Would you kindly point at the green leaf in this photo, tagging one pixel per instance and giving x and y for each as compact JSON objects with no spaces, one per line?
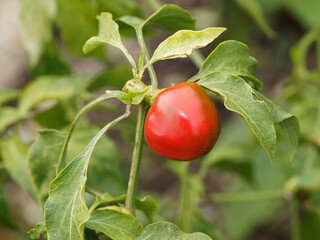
{"x":182,"y":43}
{"x":114,"y":77}
{"x":49,"y":88}
{"x":255,"y":10}
{"x":38,"y":231}
{"x":65,"y":209}
{"x":172,"y":18}
{"x":148,"y":205}
{"x":230,"y":57}
{"x":7,"y":95}
{"x":9,"y":116}
{"x":76,"y":21}
{"x":287,"y":122}
{"x":108,"y":34}
{"x":5,"y":219}
{"x":168,"y":231}
{"x":104,"y":162}
{"x":238,"y":97}
{"x":36,"y":21}
{"x":115,"y":224}
{"x":43,"y":157}
{"x":14,"y":157}
{"x":120,"y":95}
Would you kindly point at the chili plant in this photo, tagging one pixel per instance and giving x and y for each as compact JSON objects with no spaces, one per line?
{"x":60,"y":187}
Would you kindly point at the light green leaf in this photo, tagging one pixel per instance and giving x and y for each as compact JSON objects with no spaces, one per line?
{"x":287,"y":122}
{"x":43,"y":157}
{"x":115,"y":224}
{"x":36,"y":21}
{"x":108,"y":34}
{"x":14,"y":157}
{"x":172,"y":18}
{"x":49,"y":88}
{"x":254,"y":9}
{"x":238,"y":97}
{"x":230,"y":57}
{"x":65,"y":209}
{"x":9,"y":116}
{"x":168,"y":231}
{"x":8,"y":94}
{"x":182,"y":43}
{"x":38,"y":231}
{"x":120,"y":95}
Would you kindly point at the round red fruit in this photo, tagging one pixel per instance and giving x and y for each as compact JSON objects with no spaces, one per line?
{"x":182,"y":123}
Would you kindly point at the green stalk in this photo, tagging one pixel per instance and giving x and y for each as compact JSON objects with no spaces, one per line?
{"x":247,"y":197}
{"x":61,"y":161}
{"x":295,"y":223}
{"x":152,"y":73}
{"x":130,"y":202}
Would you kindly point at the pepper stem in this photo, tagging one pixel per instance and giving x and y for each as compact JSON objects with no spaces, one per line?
{"x":130,"y":202}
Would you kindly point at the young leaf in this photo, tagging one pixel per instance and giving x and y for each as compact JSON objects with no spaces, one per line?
{"x":114,"y":224}
{"x":38,"y":231}
{"x":14,"y":157}
{"x":230,"y":57}
{"x":238,"y":97}
{"x":47,"y":88}
{"x":172,"y":18}
{"x":287,"y":122}
{"x":43,"y":157}
{"x":108,"y":34}
{"x":65,"y":209}
{"x":182,"y":43}
{"x":169,"y":231}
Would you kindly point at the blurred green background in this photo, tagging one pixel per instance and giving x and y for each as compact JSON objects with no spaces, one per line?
{"x":234,"y":192}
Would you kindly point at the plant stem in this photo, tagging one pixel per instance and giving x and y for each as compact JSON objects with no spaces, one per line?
{"x":136,"y":160}
{"x":61,"y":162}
{"x":295,"y":223}
{"x":152,"y":73}
{"x":247,"y":197}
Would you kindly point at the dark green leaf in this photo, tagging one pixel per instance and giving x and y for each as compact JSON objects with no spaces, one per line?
{"x":168,"y":231}
{"x":5,"y":219}
{"x":104,"y":172}
{"x":287,"y":122}
{"x":238,"y":97}
{"x":43,"y":158}
{"x":115,"y":224}
{"x":76,"y":20}
{"x":65,"y":209}
{"x":114,"y":77}
{"x":171,"y":18}
{"x":255,"y":10}
{"x":230,"y":57}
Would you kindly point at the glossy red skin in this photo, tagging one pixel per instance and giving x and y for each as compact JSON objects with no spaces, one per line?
{"x":182,"y":123}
